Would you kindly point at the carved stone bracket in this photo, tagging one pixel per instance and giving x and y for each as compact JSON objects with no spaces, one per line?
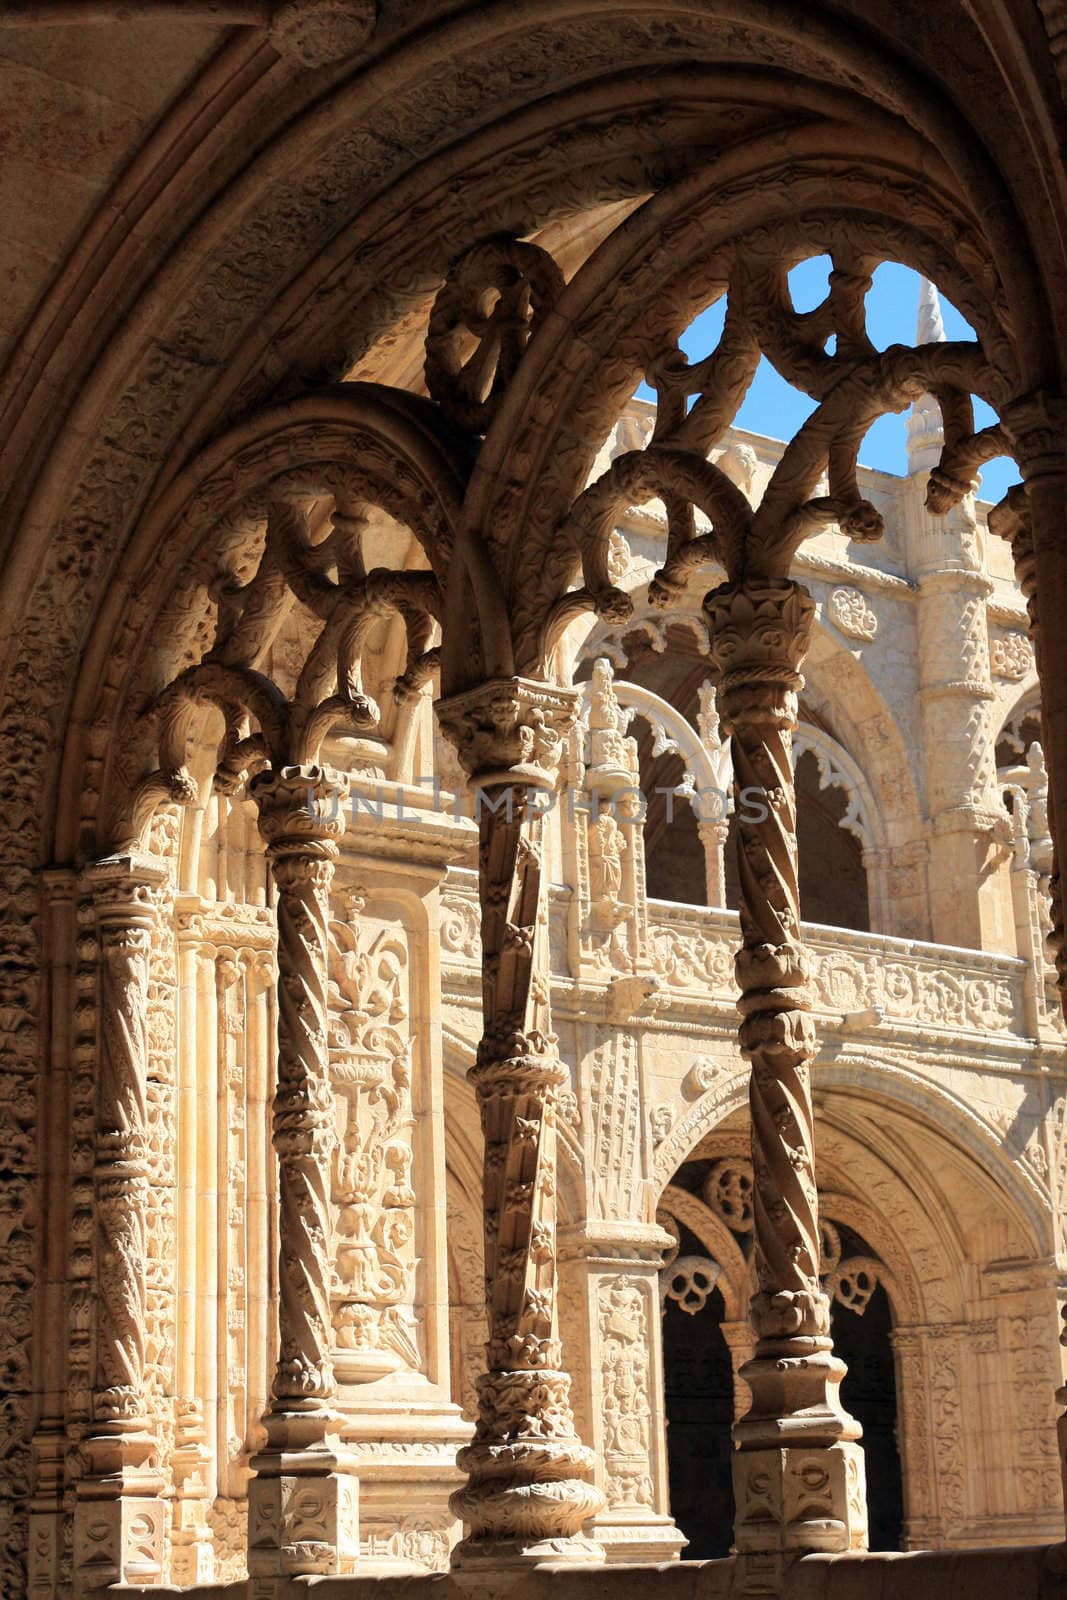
{"x":119,"y":1522}
{"x":527,"y":1494}
{"x":797,"y":1464}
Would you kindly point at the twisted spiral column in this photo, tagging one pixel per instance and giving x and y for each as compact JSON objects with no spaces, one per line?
{"x":119,"y":1518}
{"x":798,"y":1472}
{"x":527,"y":1494}
{"x":302,"y":1512}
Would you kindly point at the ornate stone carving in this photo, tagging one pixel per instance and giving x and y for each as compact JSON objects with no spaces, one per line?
{"x":315,"y":32}
{"x":527,"y":1495}
{"x":615,"y":1095}
{"x":370,"y":1071}
{"x":483,"y":318}
{"x":305,"y":1522}
{"x":851,"y":613}
{"x":728,"y":1192}
{"x":688,"y":1280}
{"x":119,"y":1528}
{"x":759,"y":633}
{"x":624,"y":1395}
{"x":297,"y":820}
{"x":1011,"y":656}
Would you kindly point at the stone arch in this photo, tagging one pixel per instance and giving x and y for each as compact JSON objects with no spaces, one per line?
{"x":892,"y":1192}
{"x":673,"y":731}
{"x":838,"y":770}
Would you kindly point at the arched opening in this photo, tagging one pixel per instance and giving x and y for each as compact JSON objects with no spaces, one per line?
{"x":674,"y":855}
{"x":863,"y":1337}
{"x":699,"y":1398}
{"x":704,"y":1290}
{"x":833,"y":878}
{"x":698,"y":1386}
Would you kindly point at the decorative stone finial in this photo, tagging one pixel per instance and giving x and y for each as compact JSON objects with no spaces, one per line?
{"x":926,"y":436}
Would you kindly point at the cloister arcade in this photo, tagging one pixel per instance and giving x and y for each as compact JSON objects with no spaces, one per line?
{"x":430,"y":721}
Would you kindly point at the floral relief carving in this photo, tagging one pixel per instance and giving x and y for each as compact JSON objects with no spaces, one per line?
{"x":615,"y":1094}
{"x":374,"y":1249}
{"x":851,"y":975}
{"x":850,"y":611}
{"x":1011,"y":656}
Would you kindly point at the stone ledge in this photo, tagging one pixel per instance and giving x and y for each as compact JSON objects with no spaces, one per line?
{"x":1034,"y":1572}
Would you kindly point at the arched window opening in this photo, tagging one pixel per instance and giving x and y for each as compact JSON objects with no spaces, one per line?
{"x":706,"y":1342}
{"x":833,"y":831}
{"x":861,"y":1323}
{"x":699,"y":1400}
{"x":674,"y":855}
{"x":833,"y":879}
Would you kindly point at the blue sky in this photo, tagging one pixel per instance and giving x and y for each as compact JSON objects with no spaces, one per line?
{"x":773,"y":407}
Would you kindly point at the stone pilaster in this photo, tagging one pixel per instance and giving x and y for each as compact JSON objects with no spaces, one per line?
{"x":1033,"y":520}
{"x":119,"y":1517}
{"x":192,"y":1558}
{"x":303,"y":1509}
{"x":612,"y":1271}
{"x":50,"y":1441}
{"x":713,"y":828}
{"x":527,"y":1496}
{"x":798,"y":1471}
{"x":970,"y":897}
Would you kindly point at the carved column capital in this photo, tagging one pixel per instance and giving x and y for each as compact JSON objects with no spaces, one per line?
{"x":510,"y":730}
{"x":301,"y":810}
{"x":125,"y":890}
{"x":1037,"y":423}
{"x":760,"y":634}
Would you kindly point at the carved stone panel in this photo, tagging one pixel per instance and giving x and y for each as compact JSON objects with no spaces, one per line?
{"x":374,"y":1248}
{"x":627,"y":1413}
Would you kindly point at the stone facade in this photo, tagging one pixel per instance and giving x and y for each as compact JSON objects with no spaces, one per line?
{"x":497,"y":871}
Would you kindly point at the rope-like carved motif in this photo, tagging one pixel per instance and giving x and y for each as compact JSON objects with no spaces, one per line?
{"x":301,"y":837}
{"x":759,"y":636}
{"x":123,"y":892}
{"x":526,"y":1464}
{"x":122,"y":1176}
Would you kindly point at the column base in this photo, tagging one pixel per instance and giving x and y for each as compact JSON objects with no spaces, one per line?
{"x":794,"y":1498}
{"x":404,"y":1443}
{"x":119,"y":1517}
{"x":303,"y":1513}
{"x":629,"y":1539}
{"x":526,"y":1506}
{"x":512,"y":1555}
